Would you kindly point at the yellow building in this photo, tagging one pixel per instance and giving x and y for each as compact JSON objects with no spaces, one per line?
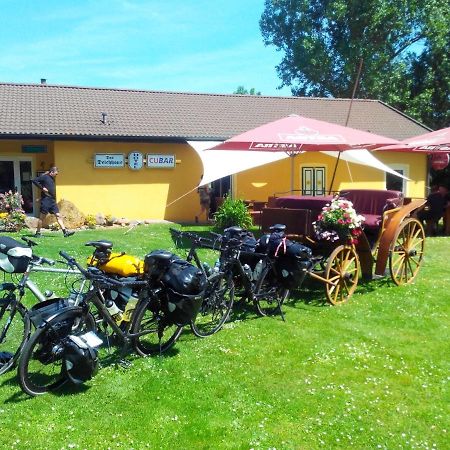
{"x":125,"y":153}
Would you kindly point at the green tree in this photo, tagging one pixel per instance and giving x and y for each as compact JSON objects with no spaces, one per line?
{"x":242,"y":91}
{"x":404,"y":46}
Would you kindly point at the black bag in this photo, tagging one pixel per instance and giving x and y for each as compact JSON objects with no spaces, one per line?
{"x":80,"y":359}
{"x":42,"y":311}
{"x":291,"y":271}
{"x":186,"y":284}
{"x":158,"y":261}
{"x":14,"y":256}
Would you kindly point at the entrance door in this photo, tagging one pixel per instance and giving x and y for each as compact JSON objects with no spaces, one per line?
{"x":15,"y":175}
{"x":313,"y":180}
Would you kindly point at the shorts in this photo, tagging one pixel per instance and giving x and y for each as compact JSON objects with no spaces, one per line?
{"x":48,"y":205}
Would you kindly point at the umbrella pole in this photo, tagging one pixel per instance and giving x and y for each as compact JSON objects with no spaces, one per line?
{"x":292,"y":172}
{"x":348,"y":117}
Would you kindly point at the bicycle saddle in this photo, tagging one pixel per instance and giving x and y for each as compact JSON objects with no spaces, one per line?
{"x":100,"y":245}
{"x":277,"y":227}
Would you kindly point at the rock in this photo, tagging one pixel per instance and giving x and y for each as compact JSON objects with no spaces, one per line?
{"x":122,"y":221}
{"x":31,"y":222}
{"x":71,"y":215}
{"x":100,"y":219}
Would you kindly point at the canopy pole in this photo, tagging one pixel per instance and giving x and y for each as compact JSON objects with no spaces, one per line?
{"x":348,"y":118}
{"x":292,"y":171}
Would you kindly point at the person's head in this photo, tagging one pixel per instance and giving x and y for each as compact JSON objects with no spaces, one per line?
{"x":53,"y":171}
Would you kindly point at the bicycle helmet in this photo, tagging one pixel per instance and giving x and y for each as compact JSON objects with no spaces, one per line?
{"x":80,"y":360}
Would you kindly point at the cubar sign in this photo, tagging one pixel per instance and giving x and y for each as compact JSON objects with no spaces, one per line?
{"x":155,"y":161}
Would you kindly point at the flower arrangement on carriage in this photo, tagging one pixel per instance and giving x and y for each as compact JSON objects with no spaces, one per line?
{"x":339,"y":221}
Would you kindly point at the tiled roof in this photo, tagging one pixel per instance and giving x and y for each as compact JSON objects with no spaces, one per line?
{"x":53,"y":111}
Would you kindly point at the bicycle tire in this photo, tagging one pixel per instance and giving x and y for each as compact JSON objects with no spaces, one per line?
{"x":149,"y":324}
{"x":269,"y":294}
{"x":14,"y":331}
{"x":41,"y":366}
{"x":216,"y":306}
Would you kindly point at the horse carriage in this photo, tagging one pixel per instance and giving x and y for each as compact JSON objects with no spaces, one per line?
{"x":392,"y":240}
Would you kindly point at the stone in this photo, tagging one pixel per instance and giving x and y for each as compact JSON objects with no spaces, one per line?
{"x":71,"y":215}
{"x":100,"y":219}
{"x":31,"y":222}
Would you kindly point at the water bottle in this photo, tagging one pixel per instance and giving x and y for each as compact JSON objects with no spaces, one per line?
{"x":115,"y":312}
{"x":207,"y":269}
{"x":216,"y":266}
{"x":131,"y":306}
{"x":258,"y":270}
{"x":247,"y":271}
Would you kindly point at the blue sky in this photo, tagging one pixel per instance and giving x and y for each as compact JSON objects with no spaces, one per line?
{"x":171,"y":45}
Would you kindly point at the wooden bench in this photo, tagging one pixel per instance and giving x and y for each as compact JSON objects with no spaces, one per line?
{"x":298,"y":221}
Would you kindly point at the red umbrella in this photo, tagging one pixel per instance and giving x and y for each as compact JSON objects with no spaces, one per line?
{"x":436,"y":141}
{"x":295,"y":134}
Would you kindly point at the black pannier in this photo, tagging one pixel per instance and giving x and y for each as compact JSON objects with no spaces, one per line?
{"x":248,"y":244}
{"x":292,"y":271}
{"x":186,"y":284}
{"x":14,"y":256}
{"x":43,"y":311}
{"x":157,"y":262}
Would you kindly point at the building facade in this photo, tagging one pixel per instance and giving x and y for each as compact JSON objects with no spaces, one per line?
{"x":126,"y":153}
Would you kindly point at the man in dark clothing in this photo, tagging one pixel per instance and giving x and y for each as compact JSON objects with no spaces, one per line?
{"x":433,"y":210}
{"x":46,"y":183}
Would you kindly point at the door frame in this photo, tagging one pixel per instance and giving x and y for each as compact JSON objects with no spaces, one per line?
{"x":16,"y":167}
{"x":313,"y":167}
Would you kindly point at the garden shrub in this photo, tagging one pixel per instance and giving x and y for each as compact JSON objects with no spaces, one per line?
{"x":233,"y":213}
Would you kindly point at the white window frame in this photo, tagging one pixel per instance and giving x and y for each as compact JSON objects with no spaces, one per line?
{"x":405,"y":172}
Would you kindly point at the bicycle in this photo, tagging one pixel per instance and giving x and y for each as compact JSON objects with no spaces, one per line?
{"x":15,"y":323}
{"x":148,"y":325}
{"x":260,"y":285}
{"x":218,"y":299}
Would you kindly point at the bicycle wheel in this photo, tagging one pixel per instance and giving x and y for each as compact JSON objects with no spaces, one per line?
{"x":155,"y":334}
{"x":14,"y":330}
{"x":216,"y":306}
{"x":41,"y":367}
{"x":269,"y":294}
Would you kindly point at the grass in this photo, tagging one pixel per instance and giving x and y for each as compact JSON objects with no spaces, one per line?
{"x":372,"y":373}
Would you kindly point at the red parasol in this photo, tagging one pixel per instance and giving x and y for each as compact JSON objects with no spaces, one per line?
{"x":294,"y":134}
{"x":434,"y":142}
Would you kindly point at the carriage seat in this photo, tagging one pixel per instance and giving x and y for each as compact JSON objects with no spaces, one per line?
{"x":372,"y":203}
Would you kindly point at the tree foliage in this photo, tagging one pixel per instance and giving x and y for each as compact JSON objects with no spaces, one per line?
{"x":242,"y":91}
{"x":404,"y":46}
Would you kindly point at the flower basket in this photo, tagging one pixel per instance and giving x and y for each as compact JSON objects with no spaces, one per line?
{"x":338,"y":223}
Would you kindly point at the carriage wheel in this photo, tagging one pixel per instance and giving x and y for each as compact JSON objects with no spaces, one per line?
{"x":406,"y":252}
{"x":342,"y":273}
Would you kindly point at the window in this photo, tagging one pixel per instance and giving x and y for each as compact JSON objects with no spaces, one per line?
{"x":395,"y":183}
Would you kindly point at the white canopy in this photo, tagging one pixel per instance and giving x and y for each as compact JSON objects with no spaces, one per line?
{"x":221,"y":163}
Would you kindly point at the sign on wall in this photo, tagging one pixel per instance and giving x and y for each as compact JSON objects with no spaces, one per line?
{"x":135,"y":160}
{"x":109,"y":160}
{"x":156,"y":161}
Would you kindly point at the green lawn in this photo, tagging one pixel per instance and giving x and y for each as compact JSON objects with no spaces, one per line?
{"x":372,"y":373}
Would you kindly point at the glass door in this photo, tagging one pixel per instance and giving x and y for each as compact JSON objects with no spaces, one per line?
{"x":313,"y":181}
{"x":15,"y":175}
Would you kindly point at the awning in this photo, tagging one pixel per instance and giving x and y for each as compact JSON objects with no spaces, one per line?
{"x":220,"y":163}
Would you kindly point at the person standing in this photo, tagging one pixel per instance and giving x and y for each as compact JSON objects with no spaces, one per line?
{"x":204,"y":193}
{"x":46,"y":183}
